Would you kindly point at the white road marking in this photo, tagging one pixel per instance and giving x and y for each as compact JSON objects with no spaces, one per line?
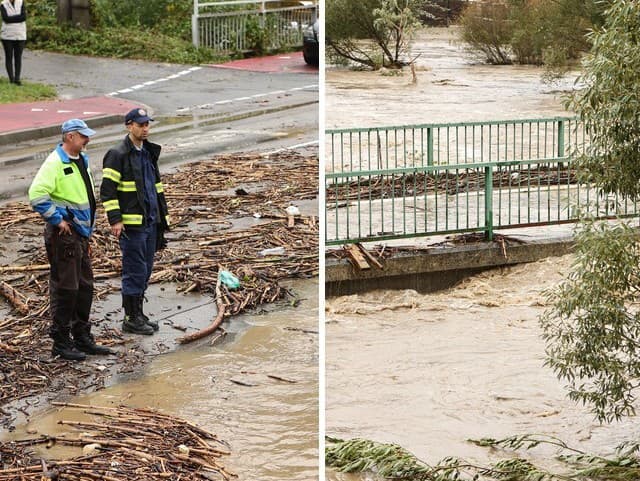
{"x":292,"y":147}
{"x":152,"y":82}
{"x":210,"y":105}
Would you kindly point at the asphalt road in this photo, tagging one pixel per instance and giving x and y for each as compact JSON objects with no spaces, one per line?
{"x":199,"y":111}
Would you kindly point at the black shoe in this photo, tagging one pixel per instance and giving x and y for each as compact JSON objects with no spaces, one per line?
{"x":17,"y":82}
{"x":154,"y":325}
{"x":135,"y":327}
{"x":133,"y":322}
{"x":67,"y":351}
{"x":88,"y":345}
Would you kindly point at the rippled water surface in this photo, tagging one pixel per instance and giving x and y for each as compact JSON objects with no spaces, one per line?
{"x":451,"y":87}
{"x":429,"y":371}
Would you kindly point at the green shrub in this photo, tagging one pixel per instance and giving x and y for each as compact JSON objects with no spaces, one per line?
{"x":531,"y":31}
{"x":156,"y":30}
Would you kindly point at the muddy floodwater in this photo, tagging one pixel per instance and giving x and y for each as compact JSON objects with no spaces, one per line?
{"x":257,"y":390}
{"x":429,"y":371}
{"x":451,"y":86}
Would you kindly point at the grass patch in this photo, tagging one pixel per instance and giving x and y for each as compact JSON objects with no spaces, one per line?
{"x":27,"y":92}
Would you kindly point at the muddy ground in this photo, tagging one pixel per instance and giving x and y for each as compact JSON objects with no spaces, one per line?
{"x":226,"y":211}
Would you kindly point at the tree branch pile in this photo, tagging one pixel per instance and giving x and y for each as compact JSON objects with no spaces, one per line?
{"x":226,"y":211}
{"x":120,"y":444}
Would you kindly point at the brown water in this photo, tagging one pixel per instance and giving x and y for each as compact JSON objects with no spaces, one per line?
{"x":272,"y":426}
{"x":451,"y":87}
{"x":429,"y":371}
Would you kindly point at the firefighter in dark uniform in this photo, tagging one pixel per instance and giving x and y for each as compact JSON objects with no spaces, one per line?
{"x":62,"y":192}
{"x":133,"y":198}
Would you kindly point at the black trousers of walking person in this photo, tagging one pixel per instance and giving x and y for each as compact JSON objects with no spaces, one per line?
{"x":13,"y":57}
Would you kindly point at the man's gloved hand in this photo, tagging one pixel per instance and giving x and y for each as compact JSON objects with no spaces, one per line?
{"x":161,"y":241}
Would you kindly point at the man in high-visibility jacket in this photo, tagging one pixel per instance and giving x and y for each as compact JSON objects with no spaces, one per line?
{"x":133,"y":198}
{"x":62,"y":192}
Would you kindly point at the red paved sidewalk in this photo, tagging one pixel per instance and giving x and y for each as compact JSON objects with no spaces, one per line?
{"x":287,"y":62}
{"x":36,"y":115}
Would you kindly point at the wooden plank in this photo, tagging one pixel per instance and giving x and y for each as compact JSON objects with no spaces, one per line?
{"x":356,"y":257}
{"x":370,"y":257}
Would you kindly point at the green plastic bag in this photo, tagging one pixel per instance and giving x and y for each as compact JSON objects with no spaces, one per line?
{"x":229,"y":280}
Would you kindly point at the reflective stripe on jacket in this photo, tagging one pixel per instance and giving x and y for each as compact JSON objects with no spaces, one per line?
{"x":59,"y":192}
{"x":122,"y":189}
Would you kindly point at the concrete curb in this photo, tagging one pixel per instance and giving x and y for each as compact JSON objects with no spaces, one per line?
{"x":439,"y":268}
{"x":18,"y":136}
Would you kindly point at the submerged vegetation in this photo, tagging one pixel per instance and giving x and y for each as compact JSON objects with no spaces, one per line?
{"x":390,"y":461}
{"x":531,"y":31}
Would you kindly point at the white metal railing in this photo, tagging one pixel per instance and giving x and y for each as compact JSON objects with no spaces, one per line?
{"x":244,"y":25}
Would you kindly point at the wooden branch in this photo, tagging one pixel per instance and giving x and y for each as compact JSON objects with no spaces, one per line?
{"x":14,"y":298}
{"x":34,"y":267}
{"x":216,"y":322}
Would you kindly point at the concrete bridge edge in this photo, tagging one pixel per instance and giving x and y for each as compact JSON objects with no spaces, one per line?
{"x":432,"y":269}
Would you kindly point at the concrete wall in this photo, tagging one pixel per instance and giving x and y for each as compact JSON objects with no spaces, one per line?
{"x":429,"y":270}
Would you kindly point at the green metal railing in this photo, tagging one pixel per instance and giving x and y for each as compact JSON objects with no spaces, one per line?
{"x":411,"y":181}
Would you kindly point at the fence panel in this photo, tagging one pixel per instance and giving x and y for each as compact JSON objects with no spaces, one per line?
{"x":228,"y":26}
{"x":444,"y":144}
{"x":378,"y":189}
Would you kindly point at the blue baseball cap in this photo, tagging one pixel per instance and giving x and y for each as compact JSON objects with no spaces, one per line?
{"x":77,"y":125}
{"x":139,"y":116}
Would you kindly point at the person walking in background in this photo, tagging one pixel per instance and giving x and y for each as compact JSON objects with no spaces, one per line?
{"x":136,"y":208}
{"x":62,"y":192}
{"x":13,"y":34}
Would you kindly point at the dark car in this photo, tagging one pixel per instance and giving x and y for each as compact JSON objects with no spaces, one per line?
{"x":310,"y":44}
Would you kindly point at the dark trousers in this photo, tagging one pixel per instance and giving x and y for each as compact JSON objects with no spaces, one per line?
{"x":138,"y":248}
{"x":70,"y":283}
{"x":13,"y":55}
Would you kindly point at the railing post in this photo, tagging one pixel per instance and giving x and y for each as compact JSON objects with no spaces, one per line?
{"x":488,"y":203}
{"x":429,"y":145}
{"x":560,"y":138}
{"x":195,"y":37}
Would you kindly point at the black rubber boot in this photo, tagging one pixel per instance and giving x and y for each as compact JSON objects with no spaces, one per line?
{"x":154,"y":325}
{"x":63,"y":306}
{"x":66,"y":350}
{"x":133,"y":322}
{"x":85,"y":342}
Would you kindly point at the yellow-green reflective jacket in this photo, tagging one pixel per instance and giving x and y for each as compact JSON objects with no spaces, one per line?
{"x":58,"y":192}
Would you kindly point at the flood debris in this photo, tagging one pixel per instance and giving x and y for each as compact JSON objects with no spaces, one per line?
{"x":378,"y":253}
{"x":120,"y":444}
{"x":211,"y":226}
{"x":469,"y":179}
{"x":360,"y":257}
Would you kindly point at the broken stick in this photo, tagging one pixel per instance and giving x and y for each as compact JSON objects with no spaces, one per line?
{"x":14,"y":298}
